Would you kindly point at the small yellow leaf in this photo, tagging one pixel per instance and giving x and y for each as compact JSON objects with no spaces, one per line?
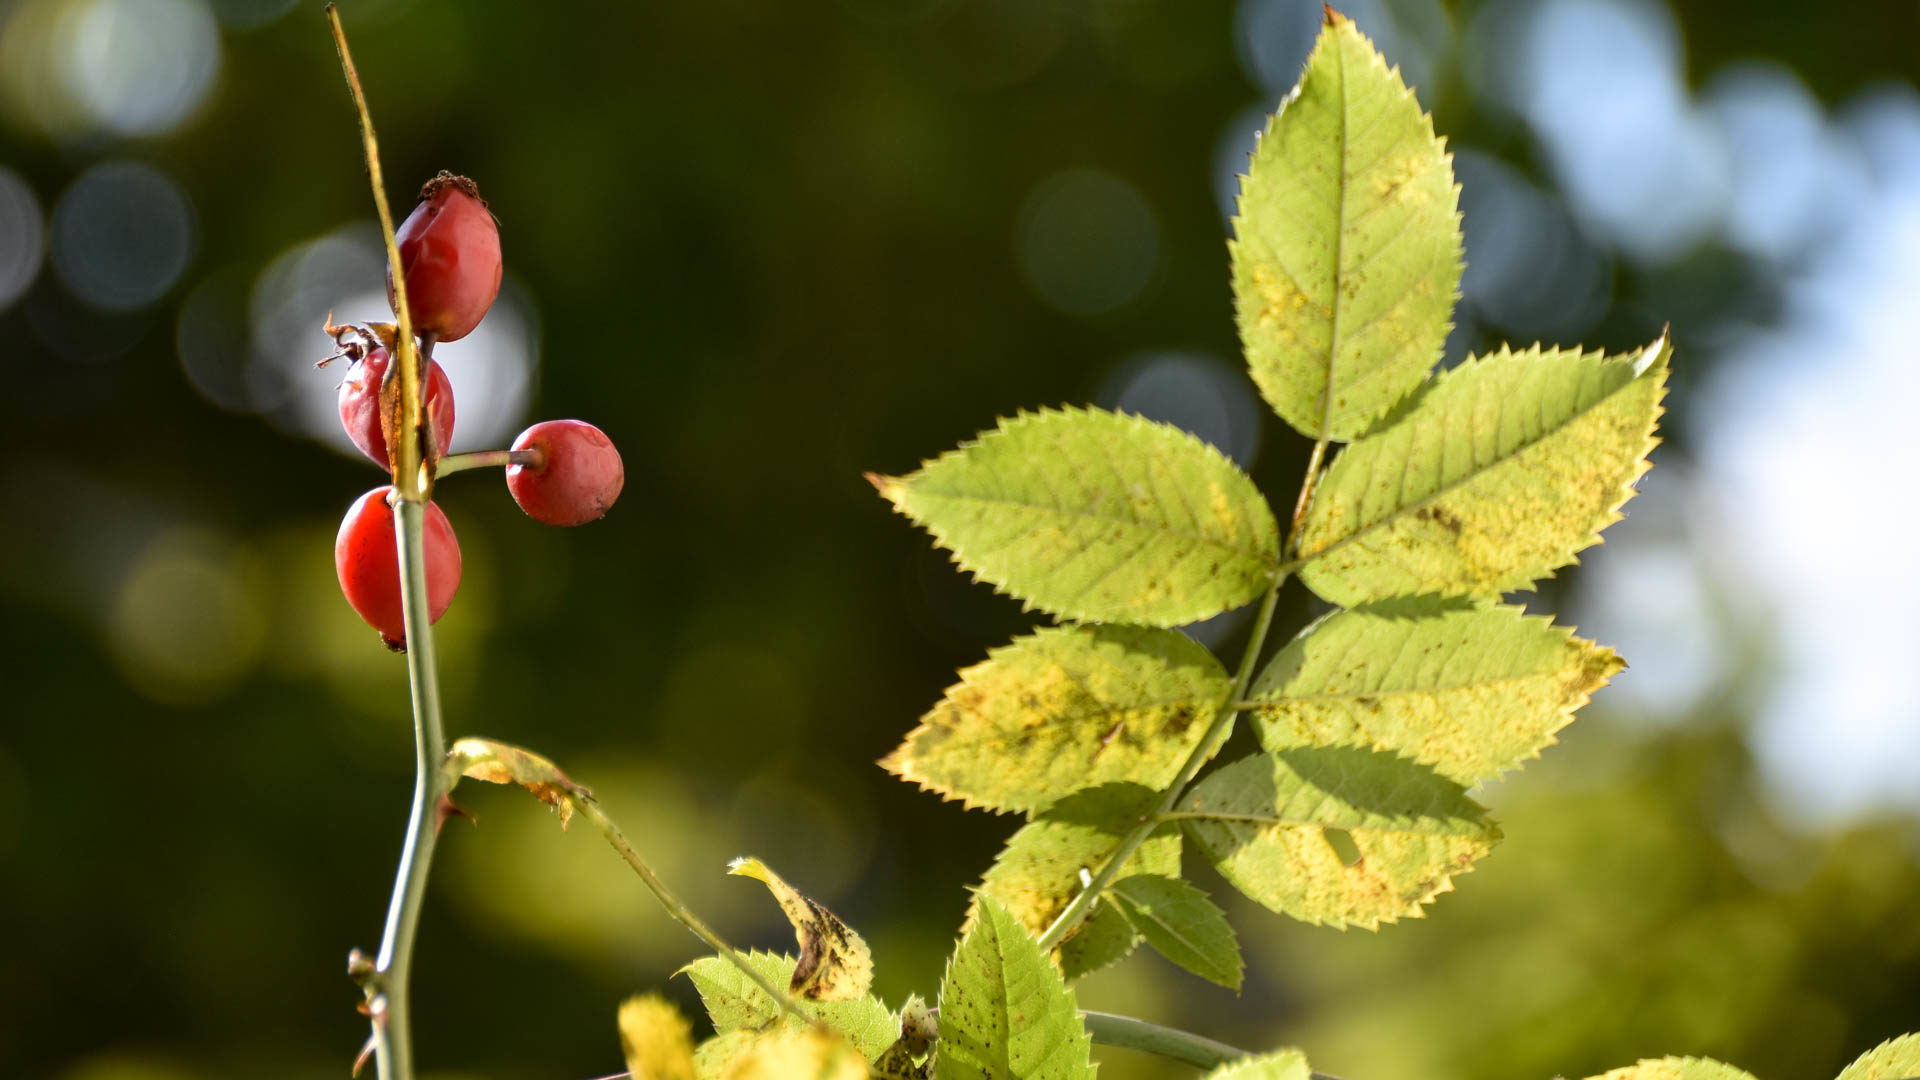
{"x":1676,"y":1068}
{"x":835,"y":964}
{"x":656,"y":1040}
{"x":805,"y":1054}
{"x":499,"y":763}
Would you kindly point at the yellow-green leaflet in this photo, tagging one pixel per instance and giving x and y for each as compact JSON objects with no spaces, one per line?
{"x":1337,"y":835}
{"x":1097,"y":516}
{"x":1064,"y":709}
{"x":1494,"y":476}
{"x":1895,"y":1059}
{"x":1041,"y":869}
{"x":1472,"y":691}
{"x":1346,"y":249}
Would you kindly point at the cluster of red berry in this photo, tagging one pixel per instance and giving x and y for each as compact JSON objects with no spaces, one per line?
{"x":561,"y":472}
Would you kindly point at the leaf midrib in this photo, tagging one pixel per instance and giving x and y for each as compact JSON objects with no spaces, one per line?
{"x":1324,"y":698}
{"x":1339,"y":253}
{"x":1269,"y":561}
{"x":1275,"y":821}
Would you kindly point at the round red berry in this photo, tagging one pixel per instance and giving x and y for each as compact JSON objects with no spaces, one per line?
{"x":575,"y":475}
{"x":450,"y":249}
{"x":366,"y":557}
{"x":360,"y":400}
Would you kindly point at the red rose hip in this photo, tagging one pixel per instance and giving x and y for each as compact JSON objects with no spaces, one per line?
{"x":450,"y":252}
{"x":366,"y":557}
{"x":575,"y":476}
{"x":361,"y":414}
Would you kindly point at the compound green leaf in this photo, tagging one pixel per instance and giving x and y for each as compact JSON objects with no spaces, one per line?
{"x":1337,"y":835}
{"x":1895,"y":1059}
{"x":1346,"y":253}
{"x":1493,"y":478}
{"x":1469,"y":690}
{"x":734,"y":1003}
{"x":1676,"y":1068}
{"x":1099,"y":516}
{"x":1047,"y":862}
{"x":1005,"y":1013}
{"x":1180,"y":922}
{"x":1064,"y":709}
{"x":1279,"y":1065}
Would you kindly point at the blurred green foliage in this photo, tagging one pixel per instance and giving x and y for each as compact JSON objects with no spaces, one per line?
{"x":770,"y":246}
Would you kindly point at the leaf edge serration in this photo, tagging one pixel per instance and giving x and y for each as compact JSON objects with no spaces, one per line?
{"x":1656,"y":354}
{"x":1605,"y":659}
{"x":896,"y":760}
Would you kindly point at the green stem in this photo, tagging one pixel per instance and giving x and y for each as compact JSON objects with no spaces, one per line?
{"x":590,"y":809}
{"x":1306,"y":493}
{"x":393,"y":1042}
{"x":1082,"y":905}
{"x":1128,"y":1033}
{"x":486,"y":459}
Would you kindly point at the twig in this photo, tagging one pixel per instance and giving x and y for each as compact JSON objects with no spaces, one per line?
{"x":482,"y":459}
{"x":590,"y":809}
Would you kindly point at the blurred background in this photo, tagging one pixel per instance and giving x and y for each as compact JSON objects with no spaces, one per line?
{"x":769,"y":245}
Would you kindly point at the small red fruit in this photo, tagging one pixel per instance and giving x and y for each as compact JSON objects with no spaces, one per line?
{"x":576,"y":475}
{"x":366,"y":557}
{"x":450,"y":249}
{"x":360,"y":411}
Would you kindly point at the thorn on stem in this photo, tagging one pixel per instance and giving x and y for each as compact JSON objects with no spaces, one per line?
{"x":447,"y":808}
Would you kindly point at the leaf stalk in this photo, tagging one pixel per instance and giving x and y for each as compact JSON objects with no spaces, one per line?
{"x":1081,"y":906}
{"x":589,"y":808}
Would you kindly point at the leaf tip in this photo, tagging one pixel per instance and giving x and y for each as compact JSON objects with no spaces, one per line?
{"x":887,"y":486}
{"x":747,"y":866}
{"x":1330,"y":16}
{"x":1658,"y":351}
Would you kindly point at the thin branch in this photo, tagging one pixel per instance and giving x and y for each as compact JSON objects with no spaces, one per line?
{"x":1306,"y":494}
{"x":590,"y":809}
{"x":413,"y":469}
{"x":1081,"y":906}
{"x":486,"y":459}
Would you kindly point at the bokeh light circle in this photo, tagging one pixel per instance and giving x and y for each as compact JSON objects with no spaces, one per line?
{"x":343,"y":274}
{"x":140,"y":67}
{"x":122,"y":235}
{"x":1086,"y":241}
{"x":23,"y":236}
{"x":1194,"y":392}
{"x":188,"y":622}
